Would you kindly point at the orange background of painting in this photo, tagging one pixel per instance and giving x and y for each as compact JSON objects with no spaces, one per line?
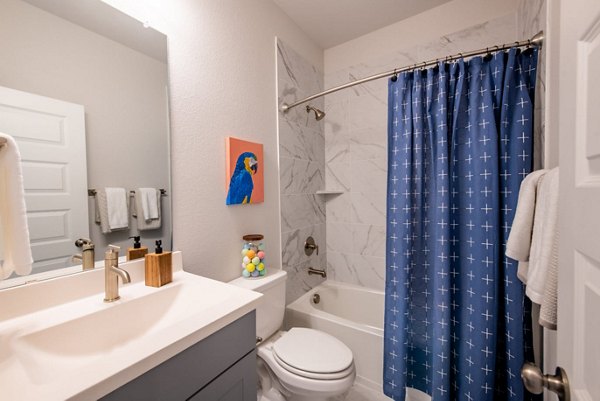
{"x":234,"y":148}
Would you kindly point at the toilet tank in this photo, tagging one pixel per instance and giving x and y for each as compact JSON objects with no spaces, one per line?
{"x":269,"y":312}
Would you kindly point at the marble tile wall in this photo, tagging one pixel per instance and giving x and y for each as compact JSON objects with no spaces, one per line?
{"x":356,"y":152}
{"x":531,"y":18}
{"x":301,"y":171}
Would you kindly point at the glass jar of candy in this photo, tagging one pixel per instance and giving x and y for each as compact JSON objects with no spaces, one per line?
{"x":253,"y":256}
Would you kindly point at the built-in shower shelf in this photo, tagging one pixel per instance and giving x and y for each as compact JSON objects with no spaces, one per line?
{"x":330,"y":192}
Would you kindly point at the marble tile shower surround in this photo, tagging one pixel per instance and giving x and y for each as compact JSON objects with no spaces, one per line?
{"x":531,"y":18}
{"x":356,"y":152}
{"x":301,"y":171}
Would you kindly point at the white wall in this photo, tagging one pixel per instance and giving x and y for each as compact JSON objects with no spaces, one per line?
{"x":222,"y":82}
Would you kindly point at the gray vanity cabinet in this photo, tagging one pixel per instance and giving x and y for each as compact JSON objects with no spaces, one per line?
{"x":220,"y":367}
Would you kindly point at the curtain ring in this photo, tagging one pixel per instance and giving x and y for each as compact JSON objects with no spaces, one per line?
{"x":423,"y":66}
{"x":395,"y":76}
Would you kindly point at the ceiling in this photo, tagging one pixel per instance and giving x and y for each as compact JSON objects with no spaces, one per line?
{"x":332,"y":22}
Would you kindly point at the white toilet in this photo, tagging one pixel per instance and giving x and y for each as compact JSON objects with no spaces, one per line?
{"x":300,"y":364}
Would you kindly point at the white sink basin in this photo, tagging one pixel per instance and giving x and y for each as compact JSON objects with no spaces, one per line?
{"x":86,"y":348}
{"x":113,"y":327}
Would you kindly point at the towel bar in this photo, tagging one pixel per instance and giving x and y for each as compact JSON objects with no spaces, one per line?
{"x":93,"y":192}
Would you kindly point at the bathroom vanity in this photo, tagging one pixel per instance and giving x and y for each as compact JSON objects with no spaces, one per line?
{"x":193,"y":338}
{"x":220,"y":367}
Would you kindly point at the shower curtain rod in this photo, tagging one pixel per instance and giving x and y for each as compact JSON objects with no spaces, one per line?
{"x":536,"y":40}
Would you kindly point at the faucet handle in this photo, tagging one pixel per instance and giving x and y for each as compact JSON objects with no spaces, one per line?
{"x":84,"y":243}
{"x":112,"y":250}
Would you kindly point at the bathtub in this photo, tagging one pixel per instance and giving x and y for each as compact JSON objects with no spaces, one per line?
{"x":354,"y":315}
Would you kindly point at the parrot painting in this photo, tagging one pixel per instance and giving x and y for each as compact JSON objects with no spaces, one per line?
{"x":241,"y":184}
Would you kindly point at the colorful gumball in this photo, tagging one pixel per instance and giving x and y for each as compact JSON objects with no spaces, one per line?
{"x":245,"y":273}
{"x":261,"y":254}
{"x":255,"y":273}
{"x":260,"y":266}
{"x":250,"y":267}
{"x":244,"y":252}
{"x":246,"y":259}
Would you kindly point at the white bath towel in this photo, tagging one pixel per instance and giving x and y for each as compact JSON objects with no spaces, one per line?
{"x":518,"y":245}
{"x":112,"y":209}
{"x":142,"y":223}
{"x":548,"y":252}
{"x":13,"y":216}
{"x":548,"y":311}
{"x":545,"y":234}
{"x":149,"y":201}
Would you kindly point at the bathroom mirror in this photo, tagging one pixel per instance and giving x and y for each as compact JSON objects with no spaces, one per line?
{"x":110,"y":73}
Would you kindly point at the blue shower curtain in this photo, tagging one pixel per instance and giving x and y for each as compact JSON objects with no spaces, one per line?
{"x":460,"y":143}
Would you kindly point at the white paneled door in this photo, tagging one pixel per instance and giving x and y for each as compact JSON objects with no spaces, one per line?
{"x":51,"y":137}
{"x":574,"y":85}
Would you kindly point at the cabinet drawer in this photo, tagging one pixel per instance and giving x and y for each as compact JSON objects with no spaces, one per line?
{"x":181,"y":376}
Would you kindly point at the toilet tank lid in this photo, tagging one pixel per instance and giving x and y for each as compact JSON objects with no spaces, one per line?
{"x":260,"y":284}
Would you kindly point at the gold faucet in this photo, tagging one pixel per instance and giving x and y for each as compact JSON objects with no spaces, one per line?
{"x":112,"y":272}
{"x":87,"y":253}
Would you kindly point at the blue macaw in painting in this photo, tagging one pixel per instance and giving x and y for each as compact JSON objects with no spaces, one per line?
{"x":241,"y":184}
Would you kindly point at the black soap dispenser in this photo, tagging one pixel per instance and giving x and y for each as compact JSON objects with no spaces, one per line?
{"x":137,"y":251}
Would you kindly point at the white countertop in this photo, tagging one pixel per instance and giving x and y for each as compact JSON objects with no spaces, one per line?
{"x":58,"y":340}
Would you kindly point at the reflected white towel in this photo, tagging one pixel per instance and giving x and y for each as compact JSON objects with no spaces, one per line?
{"x":13,"y":214}
{"x":518,"y":245}
{"x":545,"y":234}
{"x":112,"y":209}
{"x":116,"y":204}
{"x":142,"y":223}
{"x":149,"y":201}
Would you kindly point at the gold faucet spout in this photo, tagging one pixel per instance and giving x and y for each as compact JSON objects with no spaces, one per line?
{"x":112,"y":272}
{"x":121,"y":273}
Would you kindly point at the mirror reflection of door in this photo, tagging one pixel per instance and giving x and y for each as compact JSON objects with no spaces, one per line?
{"x":51,"y":137}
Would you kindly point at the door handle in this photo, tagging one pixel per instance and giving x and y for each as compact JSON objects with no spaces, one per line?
{"x":535,"y":381}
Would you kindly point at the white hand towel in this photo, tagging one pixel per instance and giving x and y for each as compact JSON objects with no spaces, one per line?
{"x":102,"y":211}
{"x":116,"y":203}
{"x":13,"y":216}
{"x":142,"y":223}
{"x":149,"y":201}
{"x":545,"y":228}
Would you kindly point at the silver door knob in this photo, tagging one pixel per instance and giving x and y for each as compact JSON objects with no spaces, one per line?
{"x":535,"y":381}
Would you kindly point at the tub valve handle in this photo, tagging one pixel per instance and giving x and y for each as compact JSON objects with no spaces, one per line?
{"x":310,"y":246}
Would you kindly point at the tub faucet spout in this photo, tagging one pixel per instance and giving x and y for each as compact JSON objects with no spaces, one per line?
{"x":320,"y":272}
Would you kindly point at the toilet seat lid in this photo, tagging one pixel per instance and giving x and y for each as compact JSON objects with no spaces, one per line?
{"x":312,"y":351}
